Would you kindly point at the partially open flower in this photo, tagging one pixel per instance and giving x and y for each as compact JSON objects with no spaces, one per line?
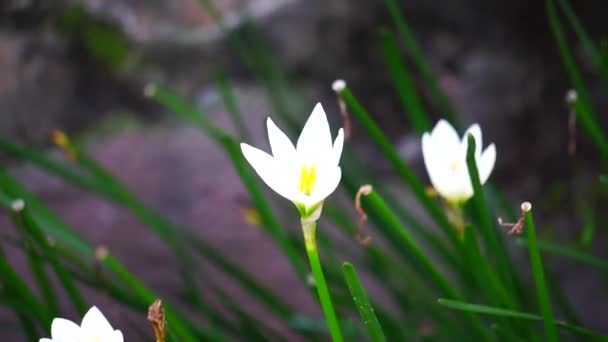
{"x":305,"y":174}
{"x":94,"y":328}
{"x":445,"y":157}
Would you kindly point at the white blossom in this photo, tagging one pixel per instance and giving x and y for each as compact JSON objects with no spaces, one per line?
{"x":94,"y":328}
{"x":305,"y":173}
{"x":445,"y":156}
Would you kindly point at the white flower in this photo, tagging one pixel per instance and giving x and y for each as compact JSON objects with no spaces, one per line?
{"x":94,"y":328}
{"x":307,"y":173}
{"x":445,"y":159}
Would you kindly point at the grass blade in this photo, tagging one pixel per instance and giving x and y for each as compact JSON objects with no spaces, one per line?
{"x":539,"y":278}
{"x":406,"y":174}
{"x":488,"y":231}
{"x":366,"y":310}
{"x":309,"y":228}
{"x":494,"y":311}
{"x":582,"y":105}
{"x":231,"y":104}
{"x":421,"y":62}
{"x":592,"y":49}
{"x":570,"y":253}
{"x":56,"y":228}
{"x":15,"y":286}
{"x":410,"y":99}
{"x":420,"y":260}
{"x":232,"y":149}
{"x":36,"y":263}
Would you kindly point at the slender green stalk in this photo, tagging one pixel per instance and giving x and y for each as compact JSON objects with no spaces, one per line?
{"x":17,"y":287}
{"x":420,"y":61}
{"x":592,"y":49}
{"x":494,"y":311}
{"x":409,"y":97}
{"x":588,"y":229}
{"x":539,"y":278}
{"x":353,"y":181}
{"x":28,"y":327}
{"x":37,"y":266}
{"x":420,"y":260}
{"x":50,"y":254}
{"x":570,"y":253}
{"x":404,"y":171}
{"x":231,"y":148}
{"x":309,"y":228}
{"x":147,"y":296}
{"x":231,"y":104}
{"x":484,"y":275}
{"x":63,"y":234}
{"x":116,"y":194}
{"x":365,"y":308}
{"x":488,"y":230}
{"x":584,"y":110}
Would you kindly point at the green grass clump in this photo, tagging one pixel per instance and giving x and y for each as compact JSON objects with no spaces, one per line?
{"x":424,"y":262}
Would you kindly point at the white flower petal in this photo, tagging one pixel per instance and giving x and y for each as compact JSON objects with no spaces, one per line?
{"x":315,"y":141}
{"x":63,"y":330}
{"x":475,"y":130}
{"x":337,"y":149}
{"x":94,"y":323}
{"x":445,"y":134}
{"x":46,"y":340}
{"x":485,"y":164}
{"x":444,"y":154}
{"x":117,"y":336}
{"x":281,"y":146}
{"x":306,"y":174}
{"x":436,"y":165}
{"x":326,"y":185}
{"x":271,"y":172}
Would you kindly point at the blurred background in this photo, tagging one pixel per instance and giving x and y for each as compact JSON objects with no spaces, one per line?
{"x":81,"y":66}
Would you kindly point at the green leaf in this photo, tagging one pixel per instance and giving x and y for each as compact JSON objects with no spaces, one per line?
{"x":539,"y":278}
{"x":231,"y":104}
{"x":582,"y":106}
{"x":409,"y":97}
{"x":404,"y":171}
{"x":570,"y":253}
{"x":592,"y":49}
{"x":494,"y":311}
{"x":488,"y":230}
{"x":365,"y":308}
{"x":419,"y":60}
{"x":36,"y":264}
{"x":50,"y":254}
{"x":419,"y":260}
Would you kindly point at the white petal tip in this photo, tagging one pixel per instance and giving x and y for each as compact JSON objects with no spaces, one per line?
{"x":526,"y":206}
{"x":318,"y":108}
{"x":338,"y":85}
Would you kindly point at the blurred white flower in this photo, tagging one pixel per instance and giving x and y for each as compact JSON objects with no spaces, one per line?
{"x":94,"y":328}
{"x":445,"y":157}
{"x":305,"y":174}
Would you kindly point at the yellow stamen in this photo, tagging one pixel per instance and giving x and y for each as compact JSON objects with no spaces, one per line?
{"x":62,"y":141}
{"x":59,"y":138}
{"x":307,"y":179}
{"x":251,"y":216}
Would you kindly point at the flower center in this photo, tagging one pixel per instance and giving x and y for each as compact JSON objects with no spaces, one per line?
{"x":454,"y":165}
{"x":308,"y":176}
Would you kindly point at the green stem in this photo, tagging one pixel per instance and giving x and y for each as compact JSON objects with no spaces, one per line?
{"x":544,"y":301}
{"x":309,"y":228}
